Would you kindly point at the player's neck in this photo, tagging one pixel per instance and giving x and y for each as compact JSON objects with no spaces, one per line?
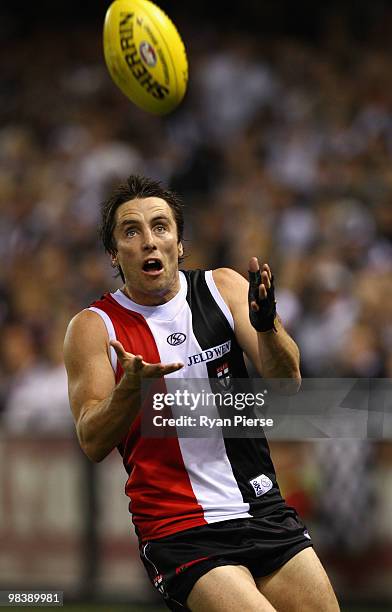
{"x":156,"y":298}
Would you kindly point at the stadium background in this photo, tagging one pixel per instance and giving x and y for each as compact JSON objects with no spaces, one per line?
{"x":282,"y":147}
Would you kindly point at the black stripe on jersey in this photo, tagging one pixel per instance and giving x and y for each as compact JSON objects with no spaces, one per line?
{"x":210,"y":321}
{"x":249,"y":457}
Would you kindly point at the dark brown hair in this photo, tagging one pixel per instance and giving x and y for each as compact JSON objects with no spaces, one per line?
{"x":136,"y":186}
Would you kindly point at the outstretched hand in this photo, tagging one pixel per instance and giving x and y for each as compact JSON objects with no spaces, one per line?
{"x":136,"y":368}
{"x":261,"y":296}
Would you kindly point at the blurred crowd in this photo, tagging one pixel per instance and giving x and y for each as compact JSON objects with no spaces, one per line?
{"x":281,"y":149}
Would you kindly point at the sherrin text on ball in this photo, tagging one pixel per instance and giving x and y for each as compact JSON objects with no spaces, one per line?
{"x":145,"y":55}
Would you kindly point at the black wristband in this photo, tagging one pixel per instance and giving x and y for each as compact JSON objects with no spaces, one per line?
{"x":264,"y":319}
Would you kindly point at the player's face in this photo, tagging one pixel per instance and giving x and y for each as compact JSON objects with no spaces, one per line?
{"x":145,"y":233}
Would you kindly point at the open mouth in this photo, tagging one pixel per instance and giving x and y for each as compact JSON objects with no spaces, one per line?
{"x":152,"y":266}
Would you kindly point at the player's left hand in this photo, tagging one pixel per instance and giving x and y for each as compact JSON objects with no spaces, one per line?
{"x":261,"y":296}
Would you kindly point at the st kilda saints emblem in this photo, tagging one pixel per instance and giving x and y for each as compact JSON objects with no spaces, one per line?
{"x":223,"y":376}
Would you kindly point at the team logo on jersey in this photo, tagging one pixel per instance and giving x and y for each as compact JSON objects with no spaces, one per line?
{"x":223,"y":376}
{"x":261,"y":484}
{"x":176,"y":338}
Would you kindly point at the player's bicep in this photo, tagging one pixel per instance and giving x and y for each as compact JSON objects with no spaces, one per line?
{"x":86,"y":355}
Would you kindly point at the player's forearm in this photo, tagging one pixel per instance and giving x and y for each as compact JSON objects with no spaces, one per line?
{"x":279,"y":357}
{"x":103,"y":425}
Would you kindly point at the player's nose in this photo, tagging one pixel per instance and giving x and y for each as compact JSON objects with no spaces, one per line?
{"x":148,"y":239}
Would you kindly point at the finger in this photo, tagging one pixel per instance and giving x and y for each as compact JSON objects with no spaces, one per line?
{"x":138,"y":363}
{"x":172,"y":367}
{"x":262,"y":292}
{"x":254,"y":306}
{"x":253,"y":265}
{"x":265,"y":279}
{"x":268,"y":270}
{"x":158,"y":369}
{"x":118,"y":347}
{"x":254,"y":277}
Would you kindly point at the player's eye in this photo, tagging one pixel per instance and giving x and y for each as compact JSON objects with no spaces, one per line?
{"x":160,"y":228}
{"x":130,"y":232}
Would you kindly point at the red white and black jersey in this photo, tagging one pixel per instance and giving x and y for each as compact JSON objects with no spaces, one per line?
{"x":181,"y":482}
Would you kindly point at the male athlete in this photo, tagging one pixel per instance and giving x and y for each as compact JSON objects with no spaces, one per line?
{"x":211,"y":537}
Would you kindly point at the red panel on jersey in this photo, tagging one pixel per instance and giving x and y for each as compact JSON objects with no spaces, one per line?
{"x":162,"y":499}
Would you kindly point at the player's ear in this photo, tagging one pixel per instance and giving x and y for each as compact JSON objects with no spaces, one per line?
{"x":114,"y":260}
{"x":180,"y":249}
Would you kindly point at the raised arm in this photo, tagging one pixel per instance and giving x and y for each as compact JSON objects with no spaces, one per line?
{"x":102,"y":410}
{"x":273,"y":353}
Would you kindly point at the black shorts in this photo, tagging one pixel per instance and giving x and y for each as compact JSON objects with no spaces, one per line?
{"x":262,"y":544}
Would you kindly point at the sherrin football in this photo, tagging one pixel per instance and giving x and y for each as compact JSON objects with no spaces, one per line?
{"x":145,"y":55}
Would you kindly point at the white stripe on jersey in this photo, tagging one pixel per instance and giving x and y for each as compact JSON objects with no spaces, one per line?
{"x":217,"y":490}
{"x":111,"y":333}
{"x":218,"y":298}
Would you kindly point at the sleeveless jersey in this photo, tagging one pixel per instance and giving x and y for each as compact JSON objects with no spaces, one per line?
{"x":180,"y":482}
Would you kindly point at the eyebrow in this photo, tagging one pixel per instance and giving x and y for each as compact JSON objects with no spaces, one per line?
{"x":126,"y":222}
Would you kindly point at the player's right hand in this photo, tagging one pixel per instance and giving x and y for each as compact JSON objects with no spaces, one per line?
{"x":136,"y":368}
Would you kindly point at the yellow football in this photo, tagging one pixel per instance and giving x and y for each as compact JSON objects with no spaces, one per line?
{"x":145,"y":55}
